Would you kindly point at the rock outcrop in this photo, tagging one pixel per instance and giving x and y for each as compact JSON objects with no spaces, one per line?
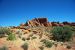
{"x":67,"y":23}
{"x":42,"y":22}
{"x":38,"y":22}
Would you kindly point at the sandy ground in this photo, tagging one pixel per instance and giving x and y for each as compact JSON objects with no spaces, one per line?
{"x":33,"y":44}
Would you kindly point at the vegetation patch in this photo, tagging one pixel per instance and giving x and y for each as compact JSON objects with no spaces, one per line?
{"x":25,"y":46}
{"x":43,"y":40}
{"x":30,"y":35}
{"x":47,"y":43}
{"x":41,"y":48}
{"x":28,"y":38}
{"x":11,"y":37}
{"x":62,"y":33}
{"x":4,"y":31}
{"x":68,"y":46}
{"x":23,"y":39}
{"x":33,"y":37}
{"x":4,"y":48}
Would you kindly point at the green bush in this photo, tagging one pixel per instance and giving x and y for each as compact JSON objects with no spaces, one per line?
{"x":11,"y":37}
{"x":47,"y":43}
{"x":4,"y":48}
{"x":25,"y":46}
{"x":3,"y":31}
{"x":62,"y":33}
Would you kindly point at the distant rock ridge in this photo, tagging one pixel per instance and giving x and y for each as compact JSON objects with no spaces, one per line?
{"x":43,"y":22}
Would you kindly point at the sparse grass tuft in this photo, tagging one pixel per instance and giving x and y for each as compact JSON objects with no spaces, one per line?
{"x":23,"y":39}
{"x":25,"y":46}
{"x":41,"y":48}
{"x":28,"y":38}
{"x":47,"y":43}
{"x":33,"y":37}
{"x":43,"y":40}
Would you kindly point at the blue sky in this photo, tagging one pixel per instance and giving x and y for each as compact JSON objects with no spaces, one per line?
{"x":14,"y":12}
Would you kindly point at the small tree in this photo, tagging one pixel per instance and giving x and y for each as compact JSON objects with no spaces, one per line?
{"x":62,"y":33}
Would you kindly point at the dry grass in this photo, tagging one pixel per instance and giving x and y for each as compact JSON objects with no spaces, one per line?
{"x":33,"y":44}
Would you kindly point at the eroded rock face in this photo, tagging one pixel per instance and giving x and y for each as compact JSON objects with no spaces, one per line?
{"x":38,"y":22}
{"x":67,"y":23}
{"x":44,"y":22}
{"x":72,"y":24}
{"x":54,"y":24}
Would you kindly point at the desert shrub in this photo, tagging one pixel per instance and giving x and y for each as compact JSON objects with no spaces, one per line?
{"x":62,"y":33}
{"x":3,"y":31}
{"x":33,"y":37}
{"x":4,"y":48}
{"x":47,"y":43}
{"x":68,"y":47}
{"x":30,"y":35}
{"x":19,"y":34}
{"x":28,"y":38}
{"x":23,"y":39}
{"x":73,"y":29}
{"x":43,"y":40}
{"x":41,"y":48}
{"x":25,"y":46}
{"x":11,"y":37}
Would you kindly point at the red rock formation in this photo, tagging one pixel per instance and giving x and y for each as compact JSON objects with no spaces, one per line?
{"x":54,"y":24}
{"x":66,"y":23}
{"x":61,"y":24}
{"x":43,"y":22}
{"x":72,"y":24}
{"x":38,"y":22}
